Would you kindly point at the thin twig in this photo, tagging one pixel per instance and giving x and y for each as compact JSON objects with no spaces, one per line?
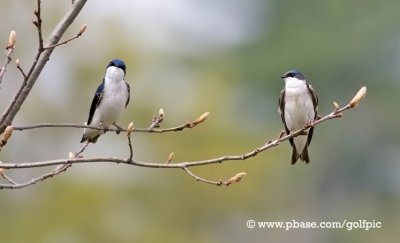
{"x":74,"y":125}
{"x":234,"y":179}
{"x":7,"y":60}
{"x":7,"y":178}
{"x":15,"y":185}
{"x":68,"y":40}
{"x":77,"y":154}
{"x":38,"y":24}
{"x":198,"y":178}
{"x":22,"y":72}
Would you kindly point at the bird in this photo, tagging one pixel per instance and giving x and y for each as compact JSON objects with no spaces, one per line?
{"x":298,"y":105}
{"x":111,"y":98}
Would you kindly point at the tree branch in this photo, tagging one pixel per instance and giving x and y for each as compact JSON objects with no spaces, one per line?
{"x":83,"y":29}
{"x":9,"y":50}
{"x":151,"y":129}
{"x":20,"y":69}
{"x":38,"y":24}
{"x":336,"y":113}
{"x":15,"y":185}
{"x":40,"y":61}
{"x":234,"y":179}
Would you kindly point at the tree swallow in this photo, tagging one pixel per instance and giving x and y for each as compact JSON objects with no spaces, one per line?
{"x":110,"y":99}
{"x":298,"y":104}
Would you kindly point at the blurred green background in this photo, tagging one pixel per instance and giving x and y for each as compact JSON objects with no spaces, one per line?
{"x":225,"y":57}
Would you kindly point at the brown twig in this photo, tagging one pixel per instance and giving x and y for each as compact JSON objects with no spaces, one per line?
{"x":14,"y":185}
{"x":3,"y":68}
{"x":73,"y":125}
{"x":2,"y":174}
{"x":20,"y":69}
{"x":234,"y":179}
{"x":77,"y":154}
{"x":9,"y":50}
{"x":38,"y":23}
{"x":83,"y":29}
{"x":198,"y":178}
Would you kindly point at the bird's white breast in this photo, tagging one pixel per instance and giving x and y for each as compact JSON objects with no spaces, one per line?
{"x":112,"y":104}
{"x":299,"y":108}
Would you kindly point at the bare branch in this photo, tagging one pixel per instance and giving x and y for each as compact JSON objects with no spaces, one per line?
{"x":40,"y":60}
{"x":15,"y":185}
{"x":9,"y":50}
{"x":2,"y":174}
{"x":65,"y":163}
{"x":78,"y":154}
{"x":198,"y":178}
{"x":73,"y":125}
{"x":234,"y":179}
{"x":38,"y":23}
{"x":20,"y":69}
{"x":68,"y":40}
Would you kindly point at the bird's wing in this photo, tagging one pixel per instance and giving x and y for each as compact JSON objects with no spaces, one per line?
{"x":98,"y":96}
{"x":314,"y":99}
{"x":129,"y":94}
{"x":281,"y":110}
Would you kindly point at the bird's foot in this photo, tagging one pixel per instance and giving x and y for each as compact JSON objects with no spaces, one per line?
{"x":303,"y":133}
{"x":308,"y":124}
{"x":103,"y":127}
{"x":119,"y":129}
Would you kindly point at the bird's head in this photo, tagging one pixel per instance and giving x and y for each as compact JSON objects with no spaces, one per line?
{"x":293,"y":74}
{"x":116,"y":69}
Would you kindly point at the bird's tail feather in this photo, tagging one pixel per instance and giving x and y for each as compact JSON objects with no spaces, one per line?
{"x":304,"y":156}
{"x":295,"y":155}
{"x":89,"y":139}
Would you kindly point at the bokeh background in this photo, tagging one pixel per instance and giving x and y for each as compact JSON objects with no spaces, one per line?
{"x":225,"y":57}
